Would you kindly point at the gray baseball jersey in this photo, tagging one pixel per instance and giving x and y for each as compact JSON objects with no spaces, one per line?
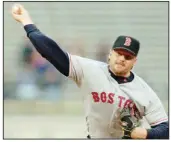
{"x":104,"y":96}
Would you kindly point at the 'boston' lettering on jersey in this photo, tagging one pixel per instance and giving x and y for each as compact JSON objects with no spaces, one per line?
{"x":110,"y":98}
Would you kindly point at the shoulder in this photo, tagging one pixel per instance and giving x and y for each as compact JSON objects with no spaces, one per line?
{"x":143,"y":84}
{"x":139,"y":79}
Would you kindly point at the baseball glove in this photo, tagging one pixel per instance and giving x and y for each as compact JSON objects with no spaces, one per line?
{"x":130,"y":119}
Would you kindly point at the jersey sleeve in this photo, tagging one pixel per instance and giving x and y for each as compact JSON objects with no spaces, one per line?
{"x":81,"y":68}
{"x":155,"y":113}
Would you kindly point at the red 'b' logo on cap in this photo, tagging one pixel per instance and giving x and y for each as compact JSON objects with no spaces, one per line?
{"x":127,"y":41}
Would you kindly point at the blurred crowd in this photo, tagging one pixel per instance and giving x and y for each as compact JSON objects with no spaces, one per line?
{"x":38,"y":78}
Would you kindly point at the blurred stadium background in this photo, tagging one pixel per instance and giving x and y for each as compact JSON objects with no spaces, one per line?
{"x":41,"y":103}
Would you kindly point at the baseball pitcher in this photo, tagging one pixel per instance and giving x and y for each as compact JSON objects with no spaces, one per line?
{"x":118,"y":103}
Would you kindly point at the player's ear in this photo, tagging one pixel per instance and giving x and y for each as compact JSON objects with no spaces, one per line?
{"x":110,"y":53}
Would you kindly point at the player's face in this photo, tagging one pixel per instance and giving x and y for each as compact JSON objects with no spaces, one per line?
{"x":121,"y":62}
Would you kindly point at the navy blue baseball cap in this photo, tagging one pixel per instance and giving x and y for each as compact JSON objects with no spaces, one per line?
{"x":128,"y":44}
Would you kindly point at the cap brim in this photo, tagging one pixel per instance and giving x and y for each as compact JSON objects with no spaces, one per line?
{"x":125,"y":49}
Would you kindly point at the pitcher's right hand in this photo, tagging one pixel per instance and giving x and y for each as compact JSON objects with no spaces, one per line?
{"x":21,"y":15}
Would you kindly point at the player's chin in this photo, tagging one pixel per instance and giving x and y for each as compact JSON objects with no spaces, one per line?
{"x":119,"y":71}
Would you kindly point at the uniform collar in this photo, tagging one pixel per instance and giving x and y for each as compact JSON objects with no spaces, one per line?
{"x":121,"y":79}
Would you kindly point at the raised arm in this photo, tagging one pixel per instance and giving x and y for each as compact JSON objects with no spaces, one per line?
{"x":48,"y":48}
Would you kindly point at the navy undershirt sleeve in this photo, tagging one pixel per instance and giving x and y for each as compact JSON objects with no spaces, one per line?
{"x":160,"y":131}
{"x":48,"y":48}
